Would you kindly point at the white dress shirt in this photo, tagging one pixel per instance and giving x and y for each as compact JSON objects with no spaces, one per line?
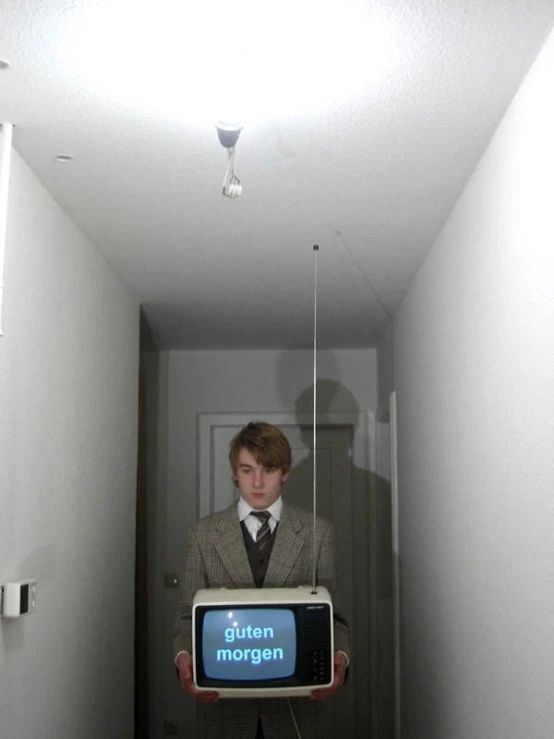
{"x":254,"y":524}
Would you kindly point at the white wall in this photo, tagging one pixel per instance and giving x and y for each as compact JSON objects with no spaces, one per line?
{"x":68,"y":409}
{"x":242,"y":381}
{"x":474,"y":364}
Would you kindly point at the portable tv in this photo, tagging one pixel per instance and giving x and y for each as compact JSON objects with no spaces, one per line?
{"x":258,"y":643}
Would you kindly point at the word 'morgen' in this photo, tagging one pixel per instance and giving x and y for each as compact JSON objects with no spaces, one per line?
{"x":255,"y":656}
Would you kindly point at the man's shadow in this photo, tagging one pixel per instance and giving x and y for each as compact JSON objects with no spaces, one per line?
{"x":346,"y":490}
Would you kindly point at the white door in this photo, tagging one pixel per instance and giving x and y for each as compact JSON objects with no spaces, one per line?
{"x":336,"y":492}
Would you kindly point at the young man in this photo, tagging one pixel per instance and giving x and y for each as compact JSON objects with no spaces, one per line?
{"x":222,"y":553}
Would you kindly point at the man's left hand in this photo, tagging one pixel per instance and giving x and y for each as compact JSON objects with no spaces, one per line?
{"x":341,"y":664}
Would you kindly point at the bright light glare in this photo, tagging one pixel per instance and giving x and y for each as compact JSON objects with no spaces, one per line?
{"x":211,"y":60}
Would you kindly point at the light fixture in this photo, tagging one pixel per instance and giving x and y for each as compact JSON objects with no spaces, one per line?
{"x":63,"y":158}
{"x":228,"y":134}
{"x":4,"y":64}
{"x":265,"y":61}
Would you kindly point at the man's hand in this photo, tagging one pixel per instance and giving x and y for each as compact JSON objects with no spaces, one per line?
{"x":340,"y":671}
{"x":184,"y":665}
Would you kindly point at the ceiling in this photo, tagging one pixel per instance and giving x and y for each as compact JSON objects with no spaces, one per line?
{"x":369,"y":171}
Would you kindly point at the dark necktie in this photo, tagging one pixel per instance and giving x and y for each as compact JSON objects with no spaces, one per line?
{"x":264,"y":532}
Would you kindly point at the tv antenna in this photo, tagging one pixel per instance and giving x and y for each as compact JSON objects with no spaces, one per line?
{"x":314,"y":475}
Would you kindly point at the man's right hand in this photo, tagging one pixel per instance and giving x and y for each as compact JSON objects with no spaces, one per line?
{"x":184,"y":665}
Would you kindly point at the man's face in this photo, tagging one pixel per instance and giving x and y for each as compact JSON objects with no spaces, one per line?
{"x":259,"y":486}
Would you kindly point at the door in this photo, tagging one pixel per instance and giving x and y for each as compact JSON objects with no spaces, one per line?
{"x":334,"y":502}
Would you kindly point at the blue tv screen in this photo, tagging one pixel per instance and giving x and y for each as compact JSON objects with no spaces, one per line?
{"x":249,"y":644}
{"x":262,"y":642}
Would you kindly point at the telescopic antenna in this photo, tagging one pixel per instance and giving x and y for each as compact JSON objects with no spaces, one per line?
{"x":314,"y":584}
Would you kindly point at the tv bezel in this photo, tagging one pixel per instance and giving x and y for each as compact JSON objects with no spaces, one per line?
{"x":299,"y":600}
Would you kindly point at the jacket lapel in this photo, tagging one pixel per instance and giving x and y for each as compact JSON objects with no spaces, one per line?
{"x":288,"y":544}
{"x":229,"y":545}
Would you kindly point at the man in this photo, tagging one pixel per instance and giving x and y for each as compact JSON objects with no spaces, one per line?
{"x":222,"y":553}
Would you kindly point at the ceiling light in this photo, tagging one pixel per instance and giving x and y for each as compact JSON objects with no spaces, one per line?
{"x":4,"y":64}
{"x":63,"y":158}
{"x":214,"y":60}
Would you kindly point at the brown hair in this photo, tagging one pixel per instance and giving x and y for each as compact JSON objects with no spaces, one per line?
{"x":265,"y":442}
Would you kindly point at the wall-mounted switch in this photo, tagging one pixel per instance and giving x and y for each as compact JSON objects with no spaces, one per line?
{"x":19,"y":598}
{"x":171,"y":580}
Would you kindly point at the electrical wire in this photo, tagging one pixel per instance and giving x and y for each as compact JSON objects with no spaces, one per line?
{"x":364,"y":275}
{"x":231,"y":184}
{"x":298,"y":734}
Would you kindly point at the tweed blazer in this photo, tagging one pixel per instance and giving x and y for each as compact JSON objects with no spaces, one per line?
{"x":216,"y":558}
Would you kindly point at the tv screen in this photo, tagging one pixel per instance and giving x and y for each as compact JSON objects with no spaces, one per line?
{"x":256,"y":642}
{"x":249,"y":644}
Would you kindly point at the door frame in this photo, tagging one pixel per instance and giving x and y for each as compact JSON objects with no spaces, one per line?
{"x":362,"y":424}
{"x":141,"y":715}
{"x":397,"y":605}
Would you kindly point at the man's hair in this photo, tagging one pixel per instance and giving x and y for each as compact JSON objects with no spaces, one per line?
{"x":265,"y":442}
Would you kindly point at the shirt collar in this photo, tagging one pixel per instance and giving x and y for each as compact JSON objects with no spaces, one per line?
{"x":245,"y":510}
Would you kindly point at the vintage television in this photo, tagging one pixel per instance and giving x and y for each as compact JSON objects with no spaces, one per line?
{"x":267,"y":642}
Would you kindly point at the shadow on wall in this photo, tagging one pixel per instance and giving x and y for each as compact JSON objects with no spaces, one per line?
{"x":371,"y":501}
